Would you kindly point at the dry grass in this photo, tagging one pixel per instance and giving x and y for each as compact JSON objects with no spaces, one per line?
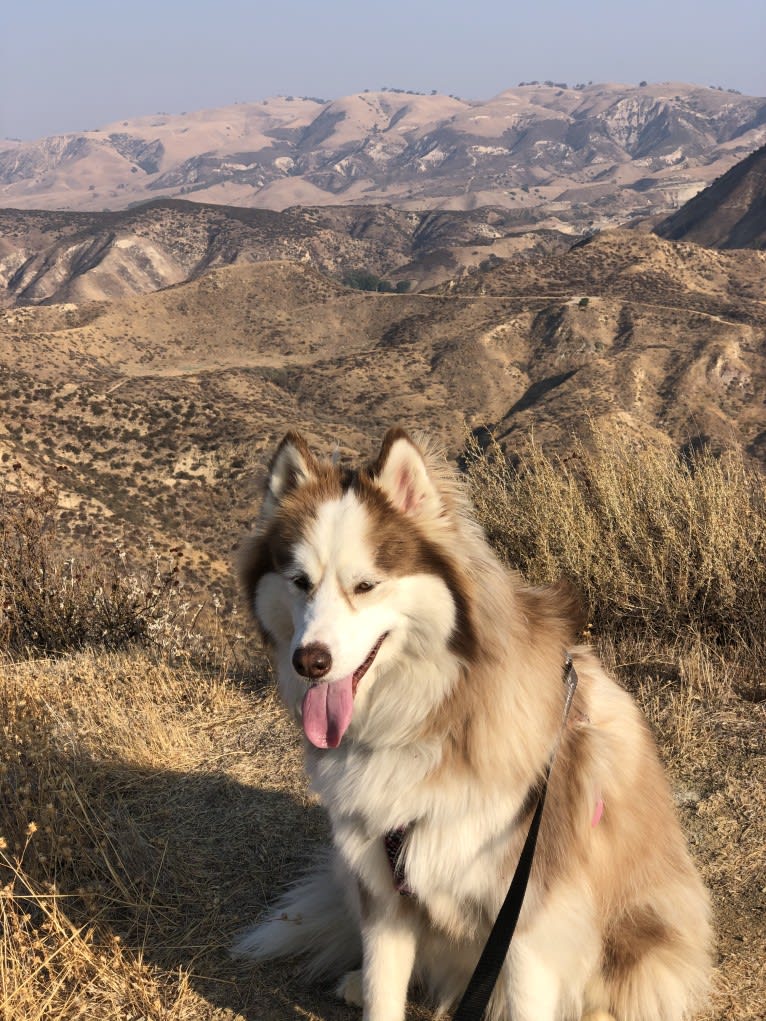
{"x":150,"y":806}
{"x":141,"y":824}
{"x":660,"y":545}
{"x":51,"y":602}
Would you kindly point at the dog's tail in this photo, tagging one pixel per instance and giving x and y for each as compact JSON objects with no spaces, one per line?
{"x":316,"y":919}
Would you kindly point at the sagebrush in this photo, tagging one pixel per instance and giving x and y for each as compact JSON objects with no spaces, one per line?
{"x":54,"y":598}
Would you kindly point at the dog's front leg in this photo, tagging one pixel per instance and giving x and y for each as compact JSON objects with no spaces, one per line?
{"x":388,"y":943}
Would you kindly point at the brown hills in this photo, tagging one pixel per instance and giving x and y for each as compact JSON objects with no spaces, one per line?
{"x":573,"y":156}
{"x":155,"y":413}
{"x":731,"y":213}
{"x":170,"y":801}
{"x":50,"y":257}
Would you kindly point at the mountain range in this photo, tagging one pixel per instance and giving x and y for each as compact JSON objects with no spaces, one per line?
{"x":48,"y":256}
{"x":151,"y":357}
{"x":560,"y":156}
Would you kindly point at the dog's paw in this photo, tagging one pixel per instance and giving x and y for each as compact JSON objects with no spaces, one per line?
{"x":350,"y":988}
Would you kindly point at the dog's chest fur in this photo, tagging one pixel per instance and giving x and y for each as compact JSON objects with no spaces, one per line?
{"x":460,"y":835}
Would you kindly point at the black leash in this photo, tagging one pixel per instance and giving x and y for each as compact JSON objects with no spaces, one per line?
{"x":484,"y":978}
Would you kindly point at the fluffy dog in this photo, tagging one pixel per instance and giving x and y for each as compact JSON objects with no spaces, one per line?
{"x":427,"y":679}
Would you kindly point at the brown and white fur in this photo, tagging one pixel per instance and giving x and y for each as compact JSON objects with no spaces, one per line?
{"x":430,"y":683}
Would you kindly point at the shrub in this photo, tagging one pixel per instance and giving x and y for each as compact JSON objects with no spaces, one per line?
{"x":52,"y":603}
{"x":364,"y":280}
{"x":658,"y":543}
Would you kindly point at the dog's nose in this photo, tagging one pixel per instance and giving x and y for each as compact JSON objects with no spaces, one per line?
{"x":313,"y":660}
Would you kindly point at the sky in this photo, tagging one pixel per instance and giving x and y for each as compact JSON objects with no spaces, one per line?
{"x":80,"y":64}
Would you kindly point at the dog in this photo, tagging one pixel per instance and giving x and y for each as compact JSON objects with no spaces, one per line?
{"x":427,"y":680}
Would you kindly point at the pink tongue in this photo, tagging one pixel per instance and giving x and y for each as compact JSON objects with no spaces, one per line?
{"x":327,"y":712}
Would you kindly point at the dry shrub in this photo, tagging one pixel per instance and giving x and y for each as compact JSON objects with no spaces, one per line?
{"x":660,"y":545}
{"x":51,"y":968}
{"x":51,"y":602}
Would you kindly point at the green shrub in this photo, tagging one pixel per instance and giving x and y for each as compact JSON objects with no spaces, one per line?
{"x":364,"y":280}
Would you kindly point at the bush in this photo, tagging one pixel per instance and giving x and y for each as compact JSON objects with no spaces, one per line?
{"x":52,"y":603}
{"x":364,"y":280}
{"x":659,"y":544}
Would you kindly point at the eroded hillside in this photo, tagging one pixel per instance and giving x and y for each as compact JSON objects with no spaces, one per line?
{"x":155,"y":414}
{"x":582,"y":154}
{"x":53,"y":257}
{"x":730,"y":213}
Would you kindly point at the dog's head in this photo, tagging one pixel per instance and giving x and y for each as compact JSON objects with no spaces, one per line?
{"x":350,"y":574}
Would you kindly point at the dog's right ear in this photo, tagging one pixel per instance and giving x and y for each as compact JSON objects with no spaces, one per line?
{"x":293,"y":464}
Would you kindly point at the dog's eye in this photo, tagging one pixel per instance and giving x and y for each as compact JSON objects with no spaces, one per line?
{"x":364,"y":586}
{"x":302,"y":582}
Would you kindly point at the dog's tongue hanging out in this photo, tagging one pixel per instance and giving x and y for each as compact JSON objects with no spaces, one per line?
{"x":326,"y":712}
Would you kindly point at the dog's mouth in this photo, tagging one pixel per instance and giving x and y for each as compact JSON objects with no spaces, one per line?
{"x":326,"y":708}
{"x":360,"y":671}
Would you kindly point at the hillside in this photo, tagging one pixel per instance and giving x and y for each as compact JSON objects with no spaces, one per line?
{"x":48,"y":257}
{"x":668,"y":337}
{"x":155,"y":413}
{"x":730,"y":213}
{"x":153,"y":799}
{"x":569,"y":157}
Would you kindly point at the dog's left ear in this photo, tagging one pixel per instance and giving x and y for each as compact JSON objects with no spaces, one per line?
{"x":402,"y":474}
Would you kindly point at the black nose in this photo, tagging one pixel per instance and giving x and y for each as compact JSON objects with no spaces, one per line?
{"x":313,"y":660}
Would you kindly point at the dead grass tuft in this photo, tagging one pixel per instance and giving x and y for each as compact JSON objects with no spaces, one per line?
{"x":665,"y":546}
{"x":51,"y":968}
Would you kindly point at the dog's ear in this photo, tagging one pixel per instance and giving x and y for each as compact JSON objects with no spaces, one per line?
{"x":402,"y":474}
{"x":292,"y":465}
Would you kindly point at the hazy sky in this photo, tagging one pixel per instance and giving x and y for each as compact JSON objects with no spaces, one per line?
{"x":74,"y":64}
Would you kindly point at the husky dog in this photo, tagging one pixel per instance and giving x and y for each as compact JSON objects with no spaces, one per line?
{"x":427,"y":679}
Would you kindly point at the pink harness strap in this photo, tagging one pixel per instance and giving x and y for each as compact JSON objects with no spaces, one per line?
{"x":598,"y":811}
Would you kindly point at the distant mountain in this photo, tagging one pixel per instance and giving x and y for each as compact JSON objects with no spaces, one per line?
{"x":731,"y":213}
{"x":571,"y":157}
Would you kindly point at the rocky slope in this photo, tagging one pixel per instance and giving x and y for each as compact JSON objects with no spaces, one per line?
{"x":157,"y":413}
{"x":731,"y":213}
{"x":62,"y":256}
{"x":582,"y":155}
